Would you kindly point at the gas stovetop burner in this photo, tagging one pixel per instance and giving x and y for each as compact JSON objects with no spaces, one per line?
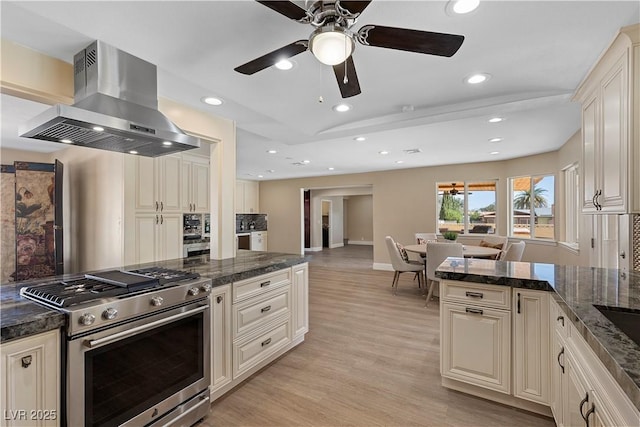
{"x":106,"y":284}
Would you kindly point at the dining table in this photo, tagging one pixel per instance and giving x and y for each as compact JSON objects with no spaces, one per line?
{"x":468,"y":251}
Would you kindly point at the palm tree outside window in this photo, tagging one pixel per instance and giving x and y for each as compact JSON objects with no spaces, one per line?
{"x":532,"y":207}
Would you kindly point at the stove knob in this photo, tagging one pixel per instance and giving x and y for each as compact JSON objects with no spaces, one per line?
{"x":157,"y":301}
{"x":110,"y":313}
{"x":87,"y":319}
{"x":193,"y":291}
{"x":205,"y":288}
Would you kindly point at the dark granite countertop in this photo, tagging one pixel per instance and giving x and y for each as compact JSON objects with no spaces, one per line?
{"x":20,"y":317}
{"x":576,"y":290}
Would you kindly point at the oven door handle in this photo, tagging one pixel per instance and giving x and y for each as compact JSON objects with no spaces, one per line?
{"x":143,"y":328}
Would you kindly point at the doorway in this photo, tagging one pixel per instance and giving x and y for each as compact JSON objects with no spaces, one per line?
{"x":326,"y":224}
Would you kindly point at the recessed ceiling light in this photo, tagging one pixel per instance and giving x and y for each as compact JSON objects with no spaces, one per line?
{"x":495,"y":139}
{"x":211,"y":100}
{"x":284,"y":64}
{"x":494,"y":152}
{"x":98,"y":128}
{"x":399,"y":161}
{"x":133,"y":152}
{"x":464,"y":6}
{"x":167,"y":143}
{"x":260,"y":176}
{"x":271,"y":151}
{"x":341,"y":108}
{"x":359,"y":138}
{"x":383,"y":152}
{"x":306,"y":161}
{"x":477,"y":78}
{"x":66,"y":141}
{"x":495,"y":119}
{"x":271,"y":171}
{"x":331,"y":169}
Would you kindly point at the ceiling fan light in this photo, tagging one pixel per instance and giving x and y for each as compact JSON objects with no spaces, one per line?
{"x":284,"y":64}
{"x":331,"y":45}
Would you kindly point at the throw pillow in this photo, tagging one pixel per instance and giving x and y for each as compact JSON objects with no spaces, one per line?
{"x":403,"y":252}
{"x":421,"y":241}
{"x":490,"y":245}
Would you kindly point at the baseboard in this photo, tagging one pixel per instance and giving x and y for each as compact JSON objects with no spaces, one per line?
{"x":505,"y":399}
{"x":316,"y":249}
{"x":360,"y":242}
{"x":336,"y":245}
{"x":383,"y":267}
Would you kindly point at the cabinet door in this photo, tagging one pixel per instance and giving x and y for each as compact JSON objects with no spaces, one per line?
{"x":558,"y":382}
{"x":590,"y":181}
{"x":170,"y":233}
{"x":476,"y":346}
{"x":169,"y":183}
{"x":615,"y":113}
{"x":220,"y":337}
{"x":251,"y":191}
{"x":200,"y":187}
{"x":146,"y":197}
{"x":145,"y":238}
{"x":576,"y":399}
{"x":30,"y":372}
{"x":240,"y":197}
{"x":187,"y":204}
{"x":531,"y":345}
{"x":300,"y":300}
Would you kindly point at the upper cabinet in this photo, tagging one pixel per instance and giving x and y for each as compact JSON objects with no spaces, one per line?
{"x":247,"y":196}
{"x":610,"y":128}
{"x":195,"y":184}
{"x":156,"y":183}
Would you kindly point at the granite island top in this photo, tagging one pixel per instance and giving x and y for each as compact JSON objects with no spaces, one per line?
{"x":20,"y":317}
{"x":576,"y":290}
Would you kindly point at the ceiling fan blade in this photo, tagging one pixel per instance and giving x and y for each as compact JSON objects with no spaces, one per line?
{"x":410,"y":40}
{"x":351,"y":87}
{"x":271,"y":58}
{"x":288,"y":9}
{"x":354,"y":7}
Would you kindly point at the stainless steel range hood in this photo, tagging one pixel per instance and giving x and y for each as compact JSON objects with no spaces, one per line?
{"x":115,"y":108}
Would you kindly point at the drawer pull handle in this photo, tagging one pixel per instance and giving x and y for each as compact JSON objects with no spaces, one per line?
{"x":26,"y":361}
{"x":265,"y":309}
{"x":219,"y":299}
{"x":266,"y":342}
{"x":473,"y":310}
{"x":582,"y":402}
{"x":474,"y":294}
{"x":561,"y":320}
{"x":589,"y":412}
{"x":559,"y":355}
{"x":267,"y":283}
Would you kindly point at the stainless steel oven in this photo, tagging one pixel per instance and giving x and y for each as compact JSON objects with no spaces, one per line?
{"x":136,"y":356}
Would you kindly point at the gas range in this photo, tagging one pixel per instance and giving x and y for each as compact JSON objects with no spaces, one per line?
{"x":97,"y":300}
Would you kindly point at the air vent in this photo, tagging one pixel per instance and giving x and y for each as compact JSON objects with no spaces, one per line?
{"x":91,"y":57}
{"x":412,"y":151}
{"x":79,"y":66}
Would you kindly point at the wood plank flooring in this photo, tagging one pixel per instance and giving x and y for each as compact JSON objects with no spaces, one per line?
{"x":369,"y":359}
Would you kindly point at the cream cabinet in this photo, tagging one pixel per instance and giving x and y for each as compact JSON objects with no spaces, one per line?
{"x":247,"y":196}
{"x":220,"y":337}
{"x":156,"y":237}
{"x":195,"y":184}
{"x":583,"y":392}
{"x":300,"y":297}
{"x":30,"y":375}
{"x":476,"y":338}
{"x":156,"y":182}
{"x":610,"y":135}
{"x":531,"y":345}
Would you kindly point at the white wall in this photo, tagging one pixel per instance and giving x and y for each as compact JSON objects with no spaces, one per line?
{"x":360,"y":219}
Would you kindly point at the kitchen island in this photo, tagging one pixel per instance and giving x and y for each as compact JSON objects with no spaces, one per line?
{"x":480,"y":288}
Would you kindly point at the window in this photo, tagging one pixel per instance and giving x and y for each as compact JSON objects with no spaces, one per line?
{"x":571,"y":204}
{"x":532,"y":207}
{"x":467,"y":207}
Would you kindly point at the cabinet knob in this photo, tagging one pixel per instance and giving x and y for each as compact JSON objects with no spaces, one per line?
{"x":561,"y":320}
{"x":219,"y":299}
{"x":26,"y":361}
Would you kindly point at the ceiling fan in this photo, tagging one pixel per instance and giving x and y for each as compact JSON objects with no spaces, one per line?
{"x":332,"y":42}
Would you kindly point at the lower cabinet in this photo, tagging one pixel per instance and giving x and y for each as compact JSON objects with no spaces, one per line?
{"x":254,"y":321}
{"x":30,"y":372}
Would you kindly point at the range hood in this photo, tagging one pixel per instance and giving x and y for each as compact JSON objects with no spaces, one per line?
{"x":115,"y":108}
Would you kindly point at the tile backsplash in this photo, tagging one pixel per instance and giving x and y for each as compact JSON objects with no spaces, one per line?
{"x":244,"y":221}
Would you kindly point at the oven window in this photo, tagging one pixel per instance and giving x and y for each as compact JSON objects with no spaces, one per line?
{"x":129,"y":376}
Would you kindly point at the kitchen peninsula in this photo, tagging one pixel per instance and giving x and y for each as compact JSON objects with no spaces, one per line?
{"x":538,"y":335}
{"x":258,"y":311}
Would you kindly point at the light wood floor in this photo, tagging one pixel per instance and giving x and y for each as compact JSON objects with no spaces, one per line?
{"x":369,"y":359}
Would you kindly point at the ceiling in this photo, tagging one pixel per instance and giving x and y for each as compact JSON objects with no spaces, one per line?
{"x":536,"y":52}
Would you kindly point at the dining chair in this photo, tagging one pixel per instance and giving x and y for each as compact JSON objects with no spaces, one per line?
{"x":436,"y":254}
{"x":514,"y":252}
{"x":497,"y":242}
{"x":401,"y":263}
{"x":422,"y":238}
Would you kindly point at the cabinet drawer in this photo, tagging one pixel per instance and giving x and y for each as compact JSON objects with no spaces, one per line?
{"x":473,"y":293}
{"x":249,"y":353}
{"x":260,"y":284}
{"x":250,"y":314}
{"x":558,"y":320}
